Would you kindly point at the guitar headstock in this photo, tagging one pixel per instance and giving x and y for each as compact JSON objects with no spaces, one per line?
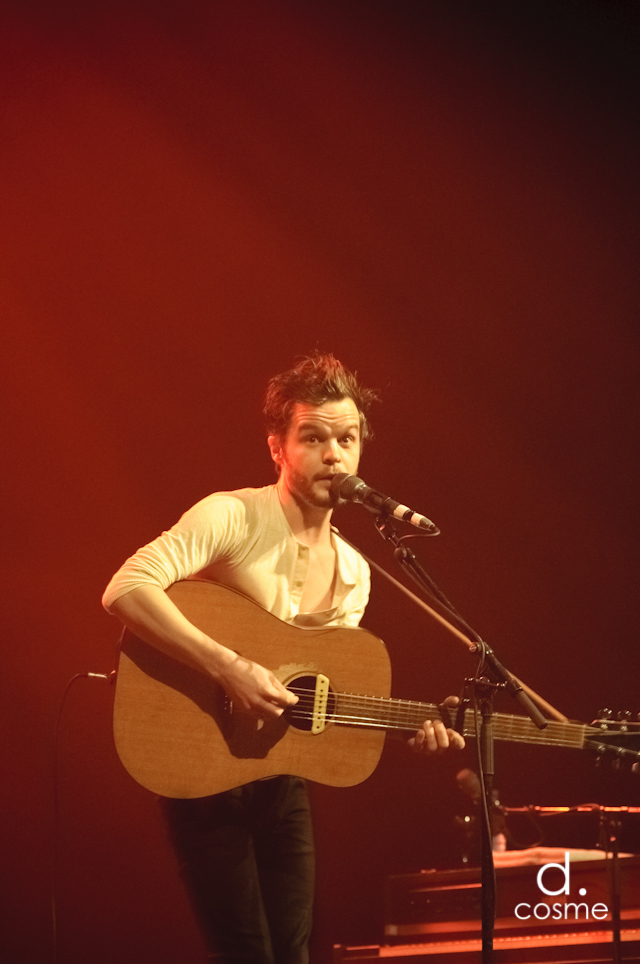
{"x":616,"y":737}
{"x":622,"y":722}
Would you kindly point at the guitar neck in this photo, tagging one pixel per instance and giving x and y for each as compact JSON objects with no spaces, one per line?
{"x":407,"y":715}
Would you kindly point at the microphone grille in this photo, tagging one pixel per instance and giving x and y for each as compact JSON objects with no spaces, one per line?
{"x":344,"y":485}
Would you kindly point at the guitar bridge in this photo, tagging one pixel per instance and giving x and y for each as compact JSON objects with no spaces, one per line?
{"x":320,"y":699}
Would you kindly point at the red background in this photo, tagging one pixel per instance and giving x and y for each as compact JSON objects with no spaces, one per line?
{"x":192,"y":194}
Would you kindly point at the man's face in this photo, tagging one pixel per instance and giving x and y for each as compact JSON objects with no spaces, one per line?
{"x":321,"y":441}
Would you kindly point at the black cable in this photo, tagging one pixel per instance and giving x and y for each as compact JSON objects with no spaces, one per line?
{"x":107,"y":678}
{"x":430,"y":587}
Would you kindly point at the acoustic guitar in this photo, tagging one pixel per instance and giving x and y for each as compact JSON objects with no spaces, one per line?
{"x":177,"y":734}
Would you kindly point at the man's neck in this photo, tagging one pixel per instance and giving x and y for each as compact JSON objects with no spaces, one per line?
{"x":310,"y":524}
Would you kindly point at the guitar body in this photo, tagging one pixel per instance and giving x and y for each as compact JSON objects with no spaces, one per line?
{"x":176,"y":732}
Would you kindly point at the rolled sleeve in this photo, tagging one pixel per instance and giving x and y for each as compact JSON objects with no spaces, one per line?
{"x":205,"y":533}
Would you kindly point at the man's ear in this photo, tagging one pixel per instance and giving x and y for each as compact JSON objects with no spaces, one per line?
{"x":275,"y":447}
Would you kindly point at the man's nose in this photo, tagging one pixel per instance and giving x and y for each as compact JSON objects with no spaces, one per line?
{"x":331,"y":451}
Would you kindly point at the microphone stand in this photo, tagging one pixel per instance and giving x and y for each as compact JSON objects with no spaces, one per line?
{"x":609,"y":837}
{"x":482,"y":694}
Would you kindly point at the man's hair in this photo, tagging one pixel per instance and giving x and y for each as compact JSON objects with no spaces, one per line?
{"x":314,"y":380}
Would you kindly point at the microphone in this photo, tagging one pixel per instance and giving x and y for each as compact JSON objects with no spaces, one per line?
{"x":352,"y":489}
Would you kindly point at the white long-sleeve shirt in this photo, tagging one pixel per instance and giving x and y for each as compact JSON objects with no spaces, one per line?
{"x":242,"y":539}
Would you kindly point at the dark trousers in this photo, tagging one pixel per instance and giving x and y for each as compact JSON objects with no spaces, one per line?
{"x":247,"y":859}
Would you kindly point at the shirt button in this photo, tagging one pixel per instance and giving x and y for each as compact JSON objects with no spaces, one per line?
{"x":299,"y":583}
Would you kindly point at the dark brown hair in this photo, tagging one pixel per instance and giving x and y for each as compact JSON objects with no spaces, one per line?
{"x":314,"y":380}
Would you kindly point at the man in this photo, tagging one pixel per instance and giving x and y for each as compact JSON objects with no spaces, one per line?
{"x":247,"y":854}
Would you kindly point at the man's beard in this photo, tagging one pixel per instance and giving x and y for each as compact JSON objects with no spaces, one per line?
{"x":304,"y":490}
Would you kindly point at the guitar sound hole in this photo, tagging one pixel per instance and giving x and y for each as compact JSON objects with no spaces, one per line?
{"x":300,"y":716}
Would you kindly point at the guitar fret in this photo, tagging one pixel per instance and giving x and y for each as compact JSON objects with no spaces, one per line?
{"x":520,"y":729}
{"x":383,"y":712}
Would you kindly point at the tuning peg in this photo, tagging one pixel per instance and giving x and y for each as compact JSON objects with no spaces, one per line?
{"x":604,"y":716}
{"x":624,"y":717}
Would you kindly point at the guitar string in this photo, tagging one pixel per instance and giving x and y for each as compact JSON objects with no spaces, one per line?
{"x":509,"y":734}
{"x":409,"y":725}
{"x":411,"y":716}
{"x":418,"y":710}
{"x":515,"y":730}
{"x":377,"y":712}
{"x":372,"y":712}
{"x":368,"y":708}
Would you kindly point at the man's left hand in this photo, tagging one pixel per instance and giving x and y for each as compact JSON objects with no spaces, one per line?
{"x":435,"y":737}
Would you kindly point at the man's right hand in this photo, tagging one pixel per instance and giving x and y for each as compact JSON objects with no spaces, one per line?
{"x":253,"y":689}
{"x":150,"y":614}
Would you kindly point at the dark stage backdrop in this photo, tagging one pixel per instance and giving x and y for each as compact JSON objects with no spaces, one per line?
{"x":442,"y":194}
